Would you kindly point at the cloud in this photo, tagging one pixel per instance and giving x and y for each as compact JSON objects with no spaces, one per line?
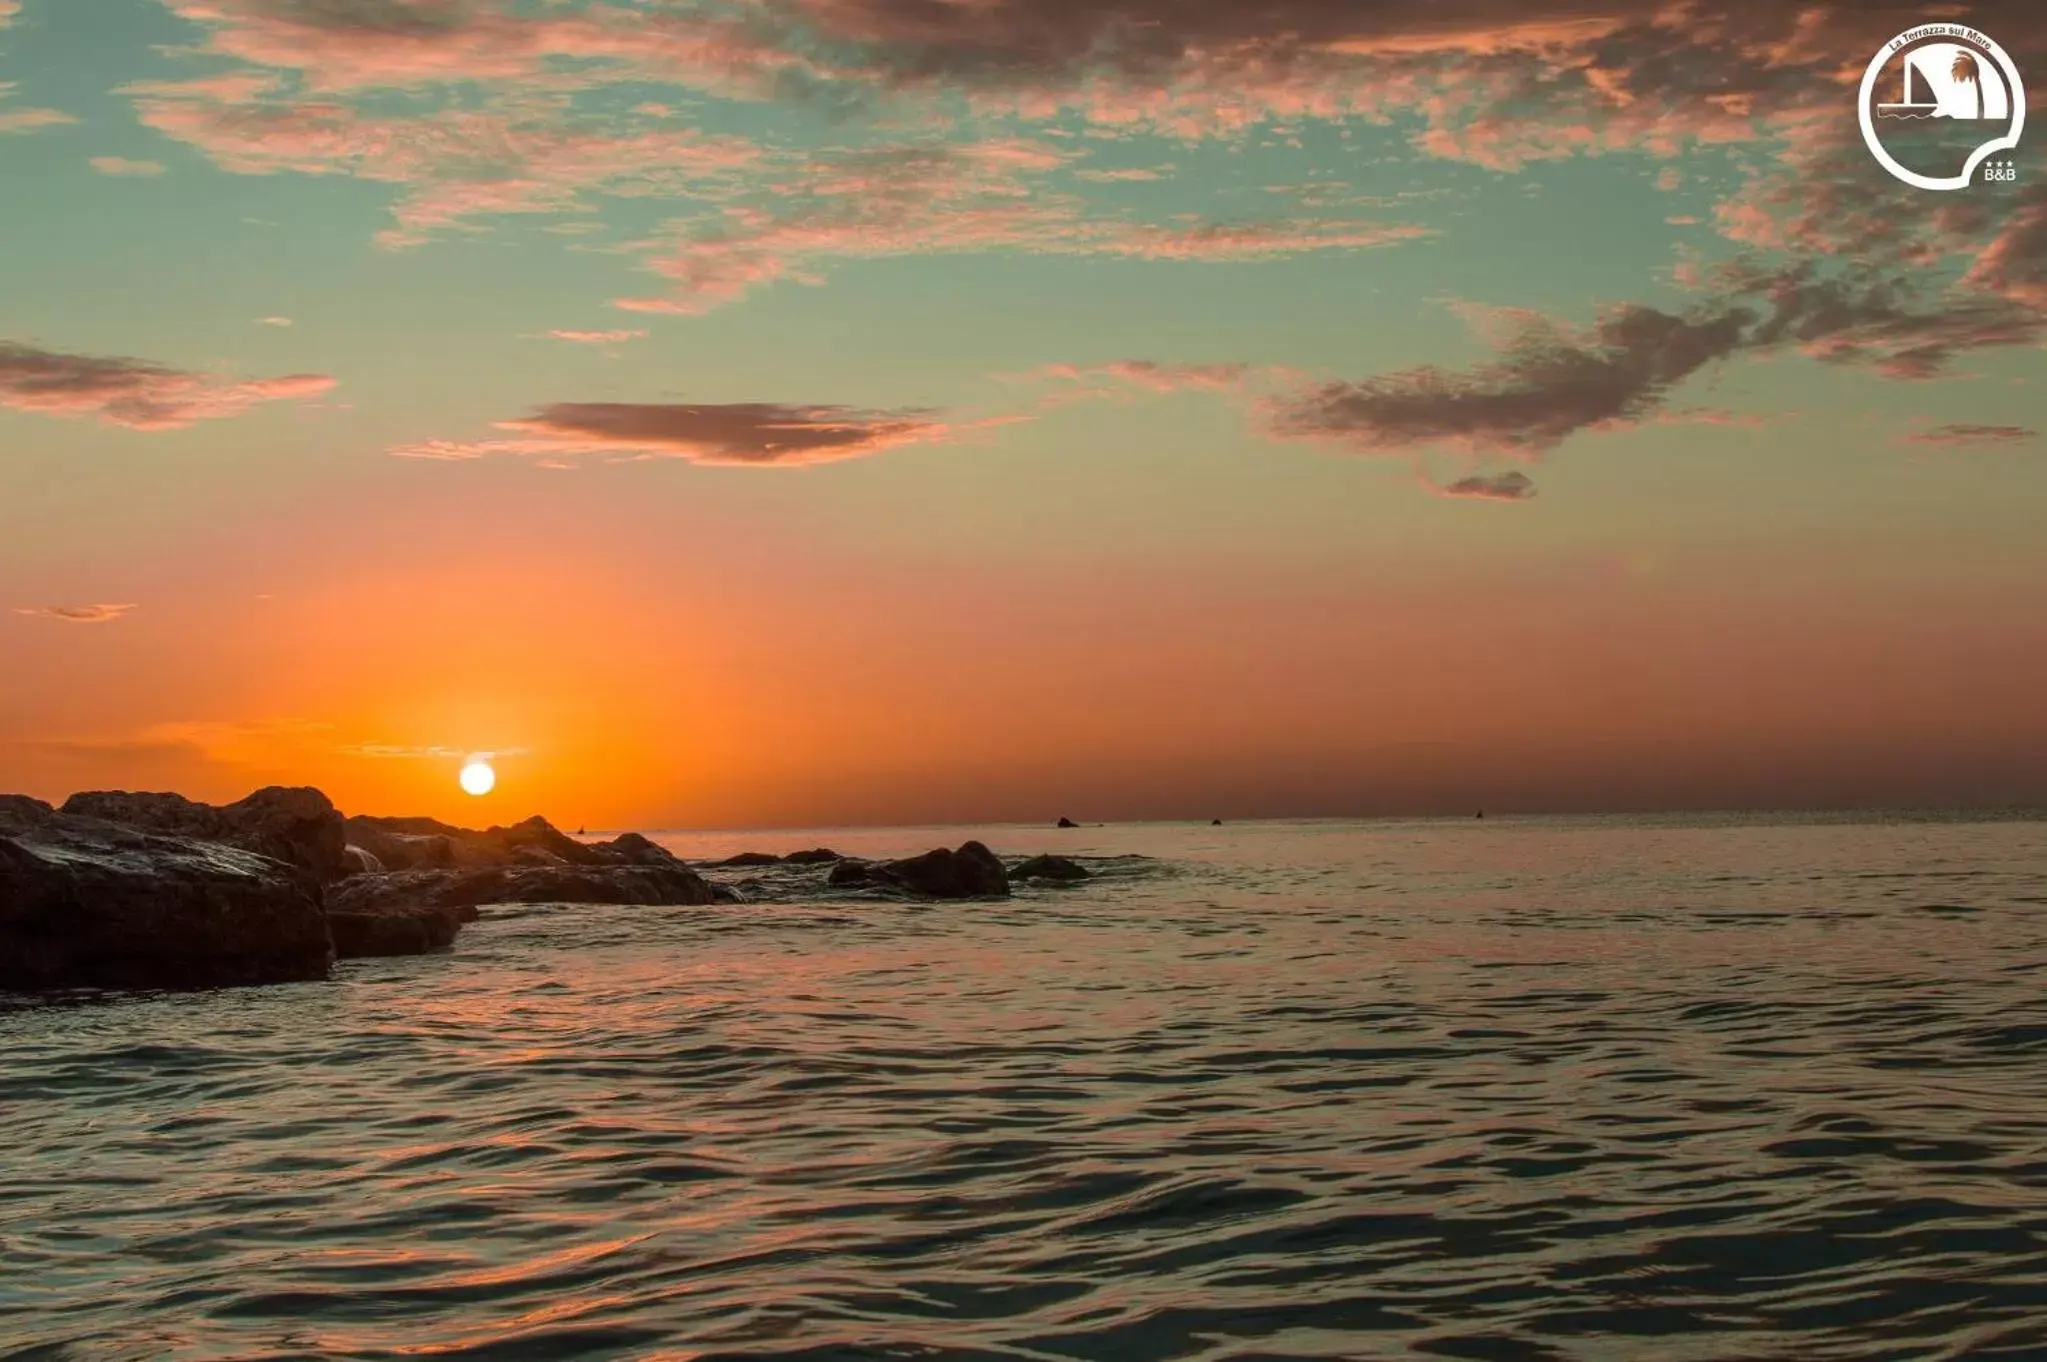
{"x":1552,"y":381}
{"x":121,"y":165}
{"x":752,"y":434}
{"x":78,"y":614}
{"x":926,"y":198}
{"x":384,"y":751}
{"x":1963,"y":434}
{"x":1508,"y":486}
{"x":521,"y":155}
{"x":134,"y":393}
{"x":598,"y":337}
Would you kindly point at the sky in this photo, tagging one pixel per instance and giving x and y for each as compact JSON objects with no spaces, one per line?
{"x":731,"y":413}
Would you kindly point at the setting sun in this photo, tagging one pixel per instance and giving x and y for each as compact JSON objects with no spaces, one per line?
{"x":478,"y":778}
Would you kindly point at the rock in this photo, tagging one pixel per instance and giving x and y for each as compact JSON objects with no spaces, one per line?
{"x":1215,"y":822}
{"x":362,"y":860}
{"x":629,"y":848}
{"x":298,"y":826}
{"x":395,"y":931}
{"x":1066,"y":823}
{"x":1048,"y":868}
{"x":849,"y":873}
{"x":422,"y":843}
{"x":403,"y":850}
{"x":744,"y":860}
{"x":85,"y":902}
{"x":972,"y":872}
{"x":430,"y":889}
{"x":815,"y":856}
{"x":534,"y":856}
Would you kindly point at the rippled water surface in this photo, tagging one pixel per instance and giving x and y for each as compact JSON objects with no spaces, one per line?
{"x":1510,"y":1089}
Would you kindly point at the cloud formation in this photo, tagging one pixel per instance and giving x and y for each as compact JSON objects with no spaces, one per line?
{"x":1964,"y":433}
{"x":598,"y":337}
{"x":1552,"y":381}
{"x":77,"y":614}
{"x":1508,"y":486}
{"x":121,"y":165}
{"x":747,"y":434}
{"x":134,"y":393}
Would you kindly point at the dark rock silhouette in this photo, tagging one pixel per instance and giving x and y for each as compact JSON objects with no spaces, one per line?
{"x":1215,"y":822}
{"x":416,"y":890}
{"x":745,"y":859}
{"x":629,"y":848}
{"x":1049,"y":868}
{"x":296,"y":825}
{"x":1066,"y":823}
{"x":85,"y":902}
{"x":815,"y":856}
{"x":428,"y":843}
{"x":971,"y":872}
{"x":395,"y":931}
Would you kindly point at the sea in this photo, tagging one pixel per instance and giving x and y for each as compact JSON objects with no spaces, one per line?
{"x":1713,"y":1088}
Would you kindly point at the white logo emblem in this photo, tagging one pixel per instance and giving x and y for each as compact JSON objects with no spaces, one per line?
{"x":1939,"y":100}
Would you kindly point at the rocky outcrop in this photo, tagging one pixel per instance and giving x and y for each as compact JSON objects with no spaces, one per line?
{"x":747,"y":860}
{"x":971,"y":872}
{"x":1049,"y":868}
{"x":650,"y":885}
{"x":1066,"y":823}
{"x":397,"y":930}
{"x":296,"y":825}
{"x":429,"y":844}
{"x":85,"y":902}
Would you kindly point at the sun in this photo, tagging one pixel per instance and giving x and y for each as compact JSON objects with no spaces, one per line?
{"x":478,"y":778}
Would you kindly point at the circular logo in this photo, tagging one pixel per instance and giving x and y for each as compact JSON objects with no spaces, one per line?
{"x":1937,"y":101}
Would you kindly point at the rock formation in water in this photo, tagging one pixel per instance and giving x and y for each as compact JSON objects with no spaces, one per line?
{"x":299,"y":826}
{"x":972,"y":872}
{"x":86,"y":902}
{"x":120,"y":889}
{"x":1048,"y":868}
{"x":1066,"y":823}
{"x":431,"y":890}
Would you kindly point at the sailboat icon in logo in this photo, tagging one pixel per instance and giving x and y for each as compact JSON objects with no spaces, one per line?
{"x":1909,"y":107}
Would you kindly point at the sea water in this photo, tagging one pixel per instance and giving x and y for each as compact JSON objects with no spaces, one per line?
{"x":1755,"y":1088}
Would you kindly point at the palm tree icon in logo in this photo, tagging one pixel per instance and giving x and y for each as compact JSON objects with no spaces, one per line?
{"x":1968,"y":73}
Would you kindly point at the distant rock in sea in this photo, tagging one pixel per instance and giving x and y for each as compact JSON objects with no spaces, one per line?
{"x":1049,"y":868}
{"x":971,"y":872}
{"x":86,"y":902}
{"x":814,"y":856}
{"x":1066,"y":823}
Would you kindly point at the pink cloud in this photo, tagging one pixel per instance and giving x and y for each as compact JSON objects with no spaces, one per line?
{"x":134,"y":393}
{"x":1962,"y":434}
{"x":597,"y":337}
{"x":77,"y":614}
{"x":121,"y":165}
{"x":922,"y":199}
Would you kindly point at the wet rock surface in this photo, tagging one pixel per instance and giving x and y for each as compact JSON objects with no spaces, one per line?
{"x":297,"y":825}
{"x":85,"y":902}
{"x":970,"y":872}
